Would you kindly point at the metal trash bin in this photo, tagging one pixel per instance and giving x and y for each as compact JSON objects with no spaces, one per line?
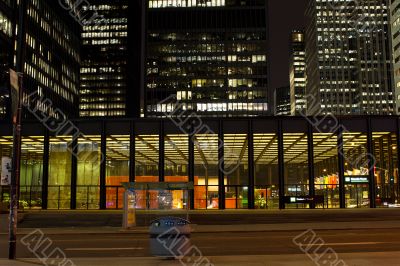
{"x":170,"y":237}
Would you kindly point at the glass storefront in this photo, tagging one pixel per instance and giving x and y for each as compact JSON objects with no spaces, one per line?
{"x":206,"y":171}
{"x":79,"y":176}
{"x":60,"y":170}
{"x":117,"y":169}
{"x":266,"y":176}
{"x":326,"y":172}
{"x":236,"y":171}
{"x":295,"y":152}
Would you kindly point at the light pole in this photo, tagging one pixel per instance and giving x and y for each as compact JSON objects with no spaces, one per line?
{"x":16,"y":80}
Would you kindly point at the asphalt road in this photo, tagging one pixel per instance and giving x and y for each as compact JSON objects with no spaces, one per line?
{"x":215,"y":244}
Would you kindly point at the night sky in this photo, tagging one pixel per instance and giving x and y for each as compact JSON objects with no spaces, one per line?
{"x":285,"y":15}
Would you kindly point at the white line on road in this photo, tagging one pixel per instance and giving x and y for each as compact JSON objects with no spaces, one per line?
{"x":348,"y":244}
{"x":100,"y":249}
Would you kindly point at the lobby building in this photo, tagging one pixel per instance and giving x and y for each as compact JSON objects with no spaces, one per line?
{"x":297,"y":73}
{"x":234,"y":163}
{"x":205,"y":57}
{"x":348,"y":58}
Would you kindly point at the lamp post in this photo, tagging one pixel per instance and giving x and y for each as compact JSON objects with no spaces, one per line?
{"x":16,"y":81}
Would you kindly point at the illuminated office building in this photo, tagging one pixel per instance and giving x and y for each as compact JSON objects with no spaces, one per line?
{"x":282,"y":101}
{"x":395,"y":23}
{"x":297,"y":73}
{"x":210,"y":56}
{"x":348,"y":57}
{"x":50,"y":56}
{"x":104,"y":82}
{"x":6,"y":37}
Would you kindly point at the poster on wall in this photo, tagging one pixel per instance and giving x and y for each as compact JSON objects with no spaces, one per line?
{"x":5,"y":171}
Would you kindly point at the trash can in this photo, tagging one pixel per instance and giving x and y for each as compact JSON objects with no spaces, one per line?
{"x":170,"y":237}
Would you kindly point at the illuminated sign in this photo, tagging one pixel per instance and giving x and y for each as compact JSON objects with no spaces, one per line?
{"x":356,"y":179}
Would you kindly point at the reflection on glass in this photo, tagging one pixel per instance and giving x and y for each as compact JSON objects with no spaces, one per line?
{"x":356,"y":172}
{"x":295,"y":150}
{"x":88,"y":178}
{"x":206,"y":171}
{"x":326,"y":177}
{"x":236,"y":170}
{"x":59,"y":190}
{"x":31,"y":172}
{"x":117,"y":170}
{"x":386,"y":170}
{"x":266,"y":194}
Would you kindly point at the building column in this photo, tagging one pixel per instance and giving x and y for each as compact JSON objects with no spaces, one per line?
{"x":132,"y":154}
{"x":161,"y":153}
{"x":74,"y":171}
{"x":342,"y":192}
{"x":311,"y":173}
{"x":250,"y":150}
{"x":281,"y":166}
{"x":398,"y":157}
{"x":45,"y":177}
{"x":221,"y":168}
{"x":103,"y":165}
{"x":371,"y":164}
{"x":191,"y":170}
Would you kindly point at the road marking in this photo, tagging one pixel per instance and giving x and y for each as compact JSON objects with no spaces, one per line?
{"x":100,"y":249}
{"x":346,"y":244}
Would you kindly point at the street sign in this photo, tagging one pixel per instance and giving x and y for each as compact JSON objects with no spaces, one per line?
{"x":5,"y":171}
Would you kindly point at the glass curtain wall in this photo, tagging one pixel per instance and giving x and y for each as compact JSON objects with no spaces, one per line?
{"x":266,"y":193}
{"x":117,"y":169}
{"x":326,"y":172}
{"x":59,"y":189}
{"x":386,"y":169}
{"x":176,"y":158}
{"x":236,"y":171}
{"x":356,"y":172}
{"x":206,"y":171}
{"x":31,"y":172}
{"x":146,"y":168}
{"x":295,"y":150}
{"x":88,"y":176}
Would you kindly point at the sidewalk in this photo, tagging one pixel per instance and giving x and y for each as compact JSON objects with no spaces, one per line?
{"x":351,"y":259}
{"x":222,"y":228}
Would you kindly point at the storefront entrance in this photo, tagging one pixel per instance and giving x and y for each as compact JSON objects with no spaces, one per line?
{"x":357,"y":196}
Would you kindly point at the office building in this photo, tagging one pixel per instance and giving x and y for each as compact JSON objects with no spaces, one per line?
{"x":205,"y":57}
{"x":348,"y":58}
{"x":50,"y":57}
{"x":104,"y":68}
{"x":282,"y":101}
{"x":395,"y":30}
{"x":297,"y":73}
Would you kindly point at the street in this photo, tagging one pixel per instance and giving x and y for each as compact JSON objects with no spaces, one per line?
{"x":218,"y":244}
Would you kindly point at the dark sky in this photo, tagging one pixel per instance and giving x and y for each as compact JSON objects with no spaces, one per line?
{"x":285,"y":15}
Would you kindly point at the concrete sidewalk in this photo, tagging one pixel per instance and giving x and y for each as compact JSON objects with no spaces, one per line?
{"x":351,"y":259}
{"x":221,"y":228}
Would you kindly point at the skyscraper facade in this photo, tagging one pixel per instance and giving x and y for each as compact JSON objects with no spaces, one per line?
{"x":6,"y":52}
{"x":104,"y":82}
{"x":49,"y":56}
{"x":395,"y":23}
{"x":283,"y":101}
{"x":297,"y":73}
{"x":210,"y":56}
{"x":348,"y":57}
